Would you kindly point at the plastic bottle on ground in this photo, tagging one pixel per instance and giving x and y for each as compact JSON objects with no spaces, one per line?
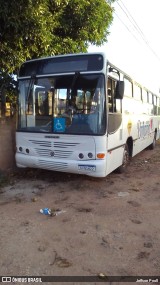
{"x":45,"y":211}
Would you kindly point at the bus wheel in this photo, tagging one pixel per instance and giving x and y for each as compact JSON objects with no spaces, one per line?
{"x":125,"y":161}
{"x":153,"y":144}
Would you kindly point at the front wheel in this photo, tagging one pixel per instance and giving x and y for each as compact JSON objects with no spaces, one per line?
{"x":125,"y":161}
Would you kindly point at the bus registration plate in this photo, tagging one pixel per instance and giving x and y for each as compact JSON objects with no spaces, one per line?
{"x":87,"y":167}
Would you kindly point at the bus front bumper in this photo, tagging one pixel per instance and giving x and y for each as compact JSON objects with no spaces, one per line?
{"x":95,"y":168}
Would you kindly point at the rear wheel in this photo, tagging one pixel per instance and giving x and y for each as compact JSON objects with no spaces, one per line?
{"x":153,"y":144}
{"x":125,"y":161}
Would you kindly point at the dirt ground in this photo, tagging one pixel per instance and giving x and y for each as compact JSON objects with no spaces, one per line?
{"x":107,"y":225}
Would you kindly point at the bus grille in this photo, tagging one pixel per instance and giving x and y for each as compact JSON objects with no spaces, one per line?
{"x":57,"y":144}
{"x":64,"y":144}
{"x":41,"y":143}
{"x":52,"y":153}
{"x":58,"y":166}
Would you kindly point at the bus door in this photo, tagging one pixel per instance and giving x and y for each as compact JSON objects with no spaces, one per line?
{"x":114,"y":127}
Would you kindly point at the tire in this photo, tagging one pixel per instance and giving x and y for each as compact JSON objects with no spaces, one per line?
{"x":125,"y":161}
{"x":153,"y":144}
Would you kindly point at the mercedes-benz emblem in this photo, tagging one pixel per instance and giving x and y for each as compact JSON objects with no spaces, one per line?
{"x":52,"y":153}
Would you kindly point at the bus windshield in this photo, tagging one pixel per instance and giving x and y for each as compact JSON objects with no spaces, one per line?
{"x":68,"y":104}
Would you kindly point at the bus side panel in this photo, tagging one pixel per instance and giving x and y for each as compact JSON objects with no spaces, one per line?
{"x":114,"y":159}
{"x":115,"y":150}
{"x":147,"y":129}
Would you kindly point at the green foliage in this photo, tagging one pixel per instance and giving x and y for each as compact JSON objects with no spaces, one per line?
{"x":8,"y":91}
{"x":36,"y":28}
{"x":23,"y":31}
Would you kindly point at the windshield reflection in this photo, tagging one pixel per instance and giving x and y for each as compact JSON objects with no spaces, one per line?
{"x":72,"y":104}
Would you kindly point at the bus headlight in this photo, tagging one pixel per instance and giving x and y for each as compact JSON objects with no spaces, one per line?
{"x":81,"y":155}
{"x":90,"y":155}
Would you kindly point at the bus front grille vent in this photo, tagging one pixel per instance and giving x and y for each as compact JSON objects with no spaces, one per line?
{"x":57,"y":166}
{"x":53,"y":153}
{"x":41,"y":143}
{"x":64,"y":144}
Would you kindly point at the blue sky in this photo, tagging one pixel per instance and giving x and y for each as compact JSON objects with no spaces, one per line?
{"x":134,"y":41}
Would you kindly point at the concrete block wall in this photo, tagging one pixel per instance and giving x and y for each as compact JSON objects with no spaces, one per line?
{"x":7,"y":143}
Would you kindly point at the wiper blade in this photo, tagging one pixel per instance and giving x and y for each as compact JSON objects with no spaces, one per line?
{"x":76,"y":75}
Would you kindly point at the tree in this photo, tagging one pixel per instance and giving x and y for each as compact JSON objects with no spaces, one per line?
{"x":8,"y":92}
{"x":24,"y":31}
{"x":36,"y":28}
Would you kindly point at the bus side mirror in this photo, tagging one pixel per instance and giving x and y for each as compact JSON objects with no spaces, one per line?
{"x":119,"y":92}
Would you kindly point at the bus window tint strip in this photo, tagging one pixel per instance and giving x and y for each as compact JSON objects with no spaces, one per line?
{"x":62,"y":64}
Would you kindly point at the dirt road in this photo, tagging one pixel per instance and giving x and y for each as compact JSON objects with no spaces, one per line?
{"x":108,"y":225}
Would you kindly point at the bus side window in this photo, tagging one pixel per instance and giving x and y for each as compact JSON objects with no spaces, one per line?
{"x":114,"y":105}
{"x":110,"y":100}
{"x":151,"y":109}
{"x":155,"y":105}
{"x":159,"y":106}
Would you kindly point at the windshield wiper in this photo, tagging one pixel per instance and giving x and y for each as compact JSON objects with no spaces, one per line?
{"x":76,"y":75}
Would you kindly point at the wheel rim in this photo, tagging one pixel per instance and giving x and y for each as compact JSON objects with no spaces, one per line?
{"x":154,"y":142}
{"x":125,"y":158}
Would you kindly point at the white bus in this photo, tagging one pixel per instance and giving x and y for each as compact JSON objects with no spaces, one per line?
{"x":80,"y":114}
